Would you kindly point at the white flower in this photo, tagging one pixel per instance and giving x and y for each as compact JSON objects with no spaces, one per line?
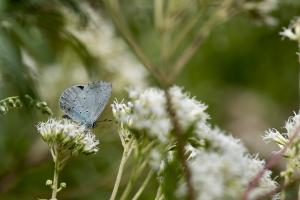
{"x":223,"y":169}
{"x":221,"y":166}
{"x":121,"y":111}
{"x":68,"y":135}
{"x":292,"y":124}
{"x":293,"y":31}
{"x":188,"y":110}
{"x":89,"y":143}
{"x":218,"y":141}
{"x":148,"y":111}
{"x":282,"y":138}
{"x":275,"y":135}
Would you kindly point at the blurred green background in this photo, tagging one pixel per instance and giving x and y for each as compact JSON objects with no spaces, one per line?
{"x":244,"y":72}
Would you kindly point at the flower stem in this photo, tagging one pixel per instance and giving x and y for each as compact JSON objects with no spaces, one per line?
{"x":125,"y":156}
{"x":142,"y":188}
{"x":299,"y":76}
{"x":298,"y":192}
{"x":118,"y":18}
{"x":135,"y":174}
{"x":158,"y":193}
{"x":55,"y":177}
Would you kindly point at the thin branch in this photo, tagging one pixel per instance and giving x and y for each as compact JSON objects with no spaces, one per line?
{"x":178,"y":133}
{"x":113,"y":7}
{"x":277,"y":190}
{"x":220,"y":16}
{"x":158,"y":193}
{"x":134,"y":176}
{"x":142,"y":188}
{"x":299,"y":75}
{"x":184,"y":32}
{"x":158,"y":14}
{"x":56,"y":172}
{"x":271,"y":162}
{"x":125,"y":156}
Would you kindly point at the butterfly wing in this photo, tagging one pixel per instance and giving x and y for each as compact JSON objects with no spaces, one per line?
{"x":84,"y":103}
{"x":100,"y":93}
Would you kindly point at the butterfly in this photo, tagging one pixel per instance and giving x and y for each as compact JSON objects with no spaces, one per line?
{"x":85,"y":103}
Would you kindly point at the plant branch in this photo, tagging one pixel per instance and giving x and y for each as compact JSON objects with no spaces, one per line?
{"x":113,"y":7}
{"x":142,"y":188}
{"x":277,"y":190}
{"x":271,"y":162}
{"x":54,"y":186}
{"x":299,"y":75}
{"x":125,"y":156}
{"x":158,"y":193}
{"x":135,"y":174}
{"x":178,"y":133}
{"x":220,"y":15}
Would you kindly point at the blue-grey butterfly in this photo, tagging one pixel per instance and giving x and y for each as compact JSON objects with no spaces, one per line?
{"x":84,"y":103}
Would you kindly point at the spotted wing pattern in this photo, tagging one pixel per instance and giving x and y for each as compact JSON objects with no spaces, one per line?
{"x":84,"y":103}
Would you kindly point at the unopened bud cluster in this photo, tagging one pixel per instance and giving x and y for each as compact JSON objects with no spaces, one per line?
{"x":18,"y":102}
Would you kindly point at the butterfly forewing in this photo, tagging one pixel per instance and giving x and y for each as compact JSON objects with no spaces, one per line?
{"x":84,"y":103}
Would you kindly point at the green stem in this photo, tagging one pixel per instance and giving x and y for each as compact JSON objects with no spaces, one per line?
{"x":219,"y":16}
{"x":298,"y":192}
{"x":54,"y":187}
{"x":142,"y":188}
{"x":135,"y":174}
{"x":127,"y":190}
{"x":158,"y":193}
{"x":282,"y":195}
{"x":299,"y":76}
{"x":117,"y":16}
{"x":125,"y":156}
{"x":158,"y":14}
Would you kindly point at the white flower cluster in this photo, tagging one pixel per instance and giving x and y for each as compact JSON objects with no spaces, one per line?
{"x":224,"y":168}
{"x":221,"y":166}
{"x":293,"y":31}
{"x":149,"y":111}
{"x":188,"y":109}
{"x":68,"y":135}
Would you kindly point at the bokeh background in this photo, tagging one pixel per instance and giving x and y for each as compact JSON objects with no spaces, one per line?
{"x":244,"y":72}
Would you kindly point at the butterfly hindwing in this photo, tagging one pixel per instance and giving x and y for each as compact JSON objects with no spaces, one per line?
{"x":84,"y":103}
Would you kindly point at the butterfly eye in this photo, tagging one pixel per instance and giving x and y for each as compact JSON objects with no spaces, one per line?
{"x":80,"y":87}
